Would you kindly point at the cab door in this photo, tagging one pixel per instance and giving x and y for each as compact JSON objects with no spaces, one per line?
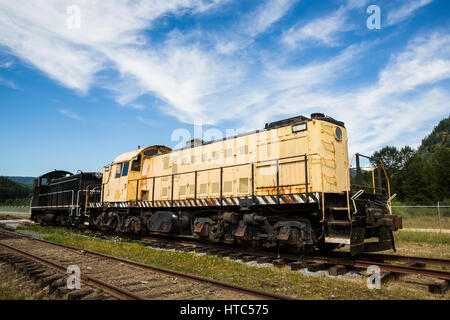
{"x":123,"y":182}
{"x":133,"y":176}
{"x":117,"y":186}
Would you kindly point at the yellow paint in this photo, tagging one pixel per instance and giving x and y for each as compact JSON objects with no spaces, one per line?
{"x":327,"y":166}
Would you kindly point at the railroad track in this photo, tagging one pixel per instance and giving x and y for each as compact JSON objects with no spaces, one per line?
{"x":413,"y":264}
{"x":125,"y":279}
{"x":336,"y":262}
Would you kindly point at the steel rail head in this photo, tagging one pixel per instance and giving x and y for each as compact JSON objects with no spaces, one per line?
{"x":187,"y":276}
{"x":117,"y":292}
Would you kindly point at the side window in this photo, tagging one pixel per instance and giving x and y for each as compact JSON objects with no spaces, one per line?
{"x":136,"y":165}
{"x":126,"y":166}
{"x":118,"y":170}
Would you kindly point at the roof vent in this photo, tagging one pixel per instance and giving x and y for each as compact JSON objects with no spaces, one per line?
{"x":317,"y":115}
{"x":194,"y":143}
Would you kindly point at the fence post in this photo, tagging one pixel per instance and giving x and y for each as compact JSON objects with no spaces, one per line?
{"x":439,"y":218}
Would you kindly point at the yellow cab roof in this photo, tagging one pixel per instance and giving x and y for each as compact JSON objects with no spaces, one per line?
{"x":128,"y":156}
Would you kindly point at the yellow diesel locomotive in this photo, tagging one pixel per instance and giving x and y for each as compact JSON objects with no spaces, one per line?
{"x":286,"y":186}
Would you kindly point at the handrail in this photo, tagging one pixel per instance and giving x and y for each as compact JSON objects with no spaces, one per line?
{"x":86,"y":198}
{"x":347,"y":185}
{"x":139,"y":186}
{"x":322,"y":184}
{"x":60,"y":192}
{"x":225,"y":167}
{"x":389,"y":186}
{"x":373,"y":179}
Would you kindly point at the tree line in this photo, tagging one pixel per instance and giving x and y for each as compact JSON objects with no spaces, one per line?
{"x":421,"y":175}
{"x":415,"y":177}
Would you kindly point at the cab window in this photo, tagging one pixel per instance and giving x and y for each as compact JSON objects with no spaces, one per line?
{"x":118,"y":170}
{"x":126,"y":166}
{"x":136,"y":165}
{"x":151,"y":152}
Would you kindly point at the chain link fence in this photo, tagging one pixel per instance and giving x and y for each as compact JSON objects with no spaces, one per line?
{"x":424,"y":216}
{"x":25,"y":210}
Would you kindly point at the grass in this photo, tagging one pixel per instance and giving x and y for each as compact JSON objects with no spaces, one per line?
{"x":9,"y":294}
{"x":422,"y":237}
{"x":424,"y":218}
{"x":425,"y":222}
{"x":282,"y":281}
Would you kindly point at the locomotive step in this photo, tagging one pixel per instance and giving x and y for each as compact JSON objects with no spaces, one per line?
{"x":336,"y":239}
{"x":343,"y":223}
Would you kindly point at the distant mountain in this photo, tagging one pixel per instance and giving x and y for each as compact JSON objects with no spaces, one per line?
{"x":440,"y":137}
{"x":23,"y":180}
{"x":10,"y":190}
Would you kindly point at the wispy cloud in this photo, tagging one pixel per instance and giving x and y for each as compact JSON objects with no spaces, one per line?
{"x":148,"y":122}
{"x":266,"y":15}
{"x":323,"y":30}
{"x":8,"y":83}
{"x":70,"y":114}
{"x":6,"y":64}
{"x":405,"y":11}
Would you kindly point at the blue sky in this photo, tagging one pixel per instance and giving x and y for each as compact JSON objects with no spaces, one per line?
{"x":75,"y":95}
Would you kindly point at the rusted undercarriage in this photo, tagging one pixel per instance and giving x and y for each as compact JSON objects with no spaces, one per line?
{"x":295,"y":228}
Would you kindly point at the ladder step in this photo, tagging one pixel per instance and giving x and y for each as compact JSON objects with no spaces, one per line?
{"x":337,"y":239}
{"x":339,"y":208}
{"x":340,"y":223}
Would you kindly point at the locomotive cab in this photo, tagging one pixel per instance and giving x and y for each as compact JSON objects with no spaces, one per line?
{"x":41,"y":186}
{"x":120,"y":178}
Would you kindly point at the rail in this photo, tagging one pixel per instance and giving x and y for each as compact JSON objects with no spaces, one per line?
{"x":115,"y":291}
{"x":125,"y":294}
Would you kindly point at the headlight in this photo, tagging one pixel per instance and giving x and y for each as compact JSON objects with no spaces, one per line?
{"x":338,"y":133}
{"x":299,"y":127}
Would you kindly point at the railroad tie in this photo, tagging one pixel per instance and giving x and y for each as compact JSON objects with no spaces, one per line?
{"x":264,"y":259}
{"x":298,"y":265}
{"x":279,"y":263}
{"x":62,"y":291}
{"x":96,"y":297}
{"x":248,"y":258}
{"x":79,"y":294}
{"x":235,"y":256}
{"x":49,"y":280}
{"x":438,"y":287}
{"x":338,"y":270}
{"x":56,"y":284}
{"x":315,"y":267}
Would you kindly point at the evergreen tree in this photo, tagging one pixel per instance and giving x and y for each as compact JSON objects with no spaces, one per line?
{"x":440,"y":172}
